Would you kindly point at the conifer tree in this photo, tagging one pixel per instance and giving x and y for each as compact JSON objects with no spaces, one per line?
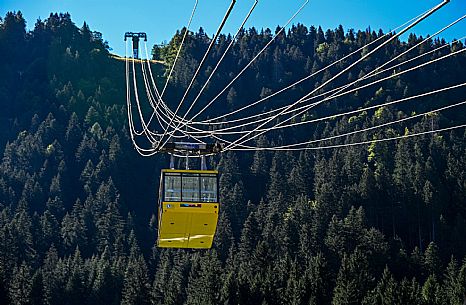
{"x":20,"y":287}
{"x":136,"y":284}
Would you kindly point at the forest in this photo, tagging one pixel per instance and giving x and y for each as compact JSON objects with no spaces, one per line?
{"x":383,"y":223}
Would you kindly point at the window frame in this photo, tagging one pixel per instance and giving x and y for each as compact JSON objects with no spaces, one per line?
{"x":199,"y":176}
{"x":216,"y":197}
{"x":164,"y":180}
{"x":191,"y":177}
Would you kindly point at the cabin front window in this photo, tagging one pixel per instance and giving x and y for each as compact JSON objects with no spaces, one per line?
{"x":190,"y":187}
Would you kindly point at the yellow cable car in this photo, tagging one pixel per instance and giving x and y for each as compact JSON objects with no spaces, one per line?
{"x":188,"y":208}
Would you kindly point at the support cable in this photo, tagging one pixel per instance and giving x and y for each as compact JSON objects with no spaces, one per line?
{"x":180,"y":48}
{"x":141,"y":151}
{"x":230,"y":8}
{"x":221,"y":59}
{"x":277,"y":126}
{"x":241,"y":119}
{"x":218,"y":63}
{"x":374,"y":73}
{"x":290,"y":146}
{"x":320,"y":119}
{"x":211,"y":121}
{"x":254,"y":59}
{"x":363,"y":142}
{"x":242,"y":138}
{"x":250,"y":63}
{"x":223,"y":131}
{"x":425,"y":94}
{"x":227,"y":130}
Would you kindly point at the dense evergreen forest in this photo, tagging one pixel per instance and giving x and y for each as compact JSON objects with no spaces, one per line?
{"x":375,"y":224}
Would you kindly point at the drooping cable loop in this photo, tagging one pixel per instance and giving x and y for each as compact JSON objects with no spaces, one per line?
{"x":249,"y":64}
{"x":236,"y":131}
{"x":222,"y":24}
{"x":188,"y":26}
{"x":417,"y":21}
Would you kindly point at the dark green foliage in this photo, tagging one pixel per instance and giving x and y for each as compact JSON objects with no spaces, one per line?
{"x":353,"y":279}
{"x":21,"y":285}
{"x":386,"y":291}
{"x":136,"y":283}
{"x":383,"y":223}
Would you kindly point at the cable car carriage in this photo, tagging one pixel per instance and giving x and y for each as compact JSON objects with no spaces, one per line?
{"x":188,"y":208}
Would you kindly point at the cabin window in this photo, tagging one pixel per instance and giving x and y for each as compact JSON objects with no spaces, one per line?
{"x":209,"y":188}
{"x":172,"y":187}
{"x":190,"y":187}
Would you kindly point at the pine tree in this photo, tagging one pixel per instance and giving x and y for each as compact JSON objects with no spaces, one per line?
{"x":224,"y":239}
{"x":431,"y":291}
{"x":353,"y":279}
{"x":73,"y":132}
{"x":161,"y":278}
{"x":104,"y":289}
{"x":204,"y":280}
{"x":37,"y":290}
{"x":432,"y":259}
{"x":75,"y":287}
{"x":20,"y":287}
{"x":410,"y":292}
{"x":175,"y":287}
{"x":53,"y":278}
{"x":386,"y":291}
{"x":136,"y":286}
{"x":452,"y":289}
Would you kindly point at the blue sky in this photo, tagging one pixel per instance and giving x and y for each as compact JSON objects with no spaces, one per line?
{"x":161,"y":18}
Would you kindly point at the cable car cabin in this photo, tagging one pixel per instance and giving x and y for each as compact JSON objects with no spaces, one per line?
{"x":188,"y":209}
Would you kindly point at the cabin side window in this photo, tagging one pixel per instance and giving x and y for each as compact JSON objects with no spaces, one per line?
{"x":172,"y":187}
{"x":208,"y":188}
